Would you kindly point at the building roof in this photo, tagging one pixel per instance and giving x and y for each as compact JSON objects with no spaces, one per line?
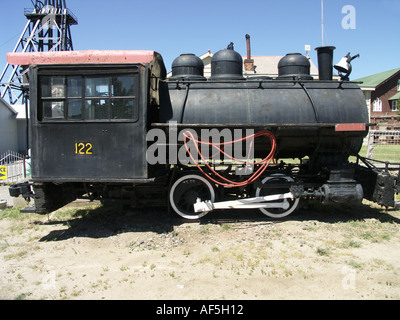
{"x":8,"y":106}
{"x":268,"y":65}
{"x":395,"y":97}
{"x":21,"y":111}
{"x":208,"y":54}
{"x":376,"y":79}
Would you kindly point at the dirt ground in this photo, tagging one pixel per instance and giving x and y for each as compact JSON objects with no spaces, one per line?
{"x":348,"y":252}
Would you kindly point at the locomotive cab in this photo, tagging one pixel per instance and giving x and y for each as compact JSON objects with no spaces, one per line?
{"x":89,"y":117}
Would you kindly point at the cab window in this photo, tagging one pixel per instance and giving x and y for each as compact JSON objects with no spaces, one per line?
{"x":90,"y":97}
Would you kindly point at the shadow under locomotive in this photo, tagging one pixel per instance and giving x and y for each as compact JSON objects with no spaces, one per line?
{"x":108,"y":221}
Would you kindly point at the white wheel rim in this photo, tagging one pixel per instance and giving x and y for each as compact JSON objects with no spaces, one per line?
{"x":175,"y":185}
{"x":285,"y":213}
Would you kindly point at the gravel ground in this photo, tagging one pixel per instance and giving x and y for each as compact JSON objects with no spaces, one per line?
{"x":86,"y":251}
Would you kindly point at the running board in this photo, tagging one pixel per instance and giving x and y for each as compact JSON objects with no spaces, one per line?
{"x":247,"y":203}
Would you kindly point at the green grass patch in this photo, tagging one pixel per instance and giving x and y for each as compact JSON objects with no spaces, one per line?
{"x":389,"y":153}
{"x":15,"y":214}
{"x":322,"y":251}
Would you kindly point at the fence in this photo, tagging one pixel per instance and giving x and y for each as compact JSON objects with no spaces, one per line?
{"x":383,"y":145}
{"x":13,"y":167}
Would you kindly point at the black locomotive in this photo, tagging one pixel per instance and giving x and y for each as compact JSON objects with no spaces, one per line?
{"x":110,"y":125}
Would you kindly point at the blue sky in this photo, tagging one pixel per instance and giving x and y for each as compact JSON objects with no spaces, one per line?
{"x":172,"y":27}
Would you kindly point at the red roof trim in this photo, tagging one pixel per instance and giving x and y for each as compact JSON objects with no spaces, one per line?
{"x":81,"y":57}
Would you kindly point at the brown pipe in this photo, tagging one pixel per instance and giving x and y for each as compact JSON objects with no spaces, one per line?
{"x":248,"y":47}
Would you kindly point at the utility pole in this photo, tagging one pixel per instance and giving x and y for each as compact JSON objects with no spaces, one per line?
{"x":322,"y":21}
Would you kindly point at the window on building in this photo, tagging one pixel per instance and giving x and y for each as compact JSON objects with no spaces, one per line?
{"x":395,"y":105}
{"x":398,"y":85}
{"x":74,"y":98}
{"x":377,"y":105}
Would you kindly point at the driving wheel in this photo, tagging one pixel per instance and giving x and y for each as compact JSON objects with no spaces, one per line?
{"x":184,"y":193}
{"x":277,"y":212}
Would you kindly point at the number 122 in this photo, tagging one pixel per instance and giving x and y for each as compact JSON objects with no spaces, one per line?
{"x":83,"y":148}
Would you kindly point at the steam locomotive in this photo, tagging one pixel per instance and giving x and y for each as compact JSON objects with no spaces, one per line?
{"x":110,"y":125}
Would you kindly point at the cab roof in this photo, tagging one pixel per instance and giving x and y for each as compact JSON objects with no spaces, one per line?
{"x":82,"y":57}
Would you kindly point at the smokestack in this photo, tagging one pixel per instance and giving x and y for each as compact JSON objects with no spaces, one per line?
{"x":248,"y":63}
{"x":325,"y":62}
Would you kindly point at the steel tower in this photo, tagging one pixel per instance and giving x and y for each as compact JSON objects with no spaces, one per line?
{"x":47,"y":29}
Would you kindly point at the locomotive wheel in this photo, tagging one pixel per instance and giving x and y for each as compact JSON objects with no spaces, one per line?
{"x":277,"y":212}
{"x":185,"y":192}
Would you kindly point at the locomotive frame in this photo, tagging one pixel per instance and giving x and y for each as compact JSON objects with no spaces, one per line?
{"x":97,"y":147}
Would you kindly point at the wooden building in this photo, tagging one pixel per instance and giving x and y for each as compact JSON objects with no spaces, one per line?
{"x":382,"y":94}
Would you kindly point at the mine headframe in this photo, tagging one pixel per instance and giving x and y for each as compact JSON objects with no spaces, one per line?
{"x":47,"y":29}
